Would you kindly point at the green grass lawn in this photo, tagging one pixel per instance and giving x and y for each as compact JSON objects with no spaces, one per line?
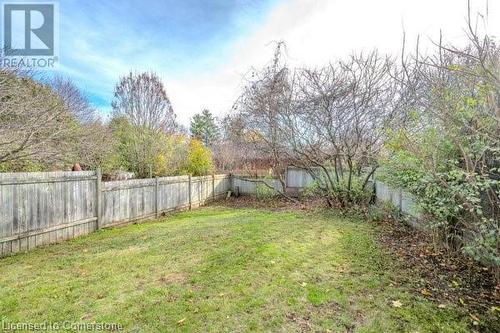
{"x":221,"y":269}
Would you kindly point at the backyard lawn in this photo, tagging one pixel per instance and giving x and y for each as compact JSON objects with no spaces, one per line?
{"x":218,"y":269}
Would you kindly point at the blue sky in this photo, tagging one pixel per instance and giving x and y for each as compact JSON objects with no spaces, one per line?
{"x":102,"y":40}
{"x":202,"y":49}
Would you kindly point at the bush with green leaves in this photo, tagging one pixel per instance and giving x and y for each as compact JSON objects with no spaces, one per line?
{"x":347,"y":191}
{"x":264,"y":189}
{"x":312,"y":190}
{"x":383,"y":211}
{"x":199,"y":160}
{"x":448,"y":154}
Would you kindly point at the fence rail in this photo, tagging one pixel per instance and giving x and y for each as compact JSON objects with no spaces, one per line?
{"x":41,"y":208}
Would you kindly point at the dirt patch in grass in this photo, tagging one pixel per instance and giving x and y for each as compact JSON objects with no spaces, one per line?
{"x":442,"y":276}
{"x":328,"y":309}
{"x":173,"y":278}
{"x":300,"y":320}
{"x":276,"y":204}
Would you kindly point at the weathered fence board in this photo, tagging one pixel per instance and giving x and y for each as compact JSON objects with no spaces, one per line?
{"x":405,"y":202}
{"x":173,"y":193}
{"x":222,"y":183}
{"x":201,"y":190}
{"x":46,"y":207}
{"x":250,"y":185}
{"x":42,"y":208}
{"x":298,"y":178}
{"x":128,"y":200}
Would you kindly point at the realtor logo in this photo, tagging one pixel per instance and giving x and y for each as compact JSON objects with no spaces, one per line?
{"x":29,"y":35}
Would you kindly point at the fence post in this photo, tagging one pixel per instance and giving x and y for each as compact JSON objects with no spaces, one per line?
{"x":189,"y":191}
{"x":99,"y":198}
{"x":157,"y":197}
{"x":286,"y":179}
{"x":213,"y":187}
{"x":400,"y":202}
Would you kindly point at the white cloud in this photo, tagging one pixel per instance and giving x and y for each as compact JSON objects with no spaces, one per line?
{"x":318,"y":31}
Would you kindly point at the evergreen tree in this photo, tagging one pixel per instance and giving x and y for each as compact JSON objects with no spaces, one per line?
{"x":204,"y":128}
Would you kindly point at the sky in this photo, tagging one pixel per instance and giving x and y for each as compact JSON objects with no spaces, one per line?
{"x":202,"y":49}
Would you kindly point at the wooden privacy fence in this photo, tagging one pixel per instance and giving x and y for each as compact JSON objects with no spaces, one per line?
{"x":40,"y":208}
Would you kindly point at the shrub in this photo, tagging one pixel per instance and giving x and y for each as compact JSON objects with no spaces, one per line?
{"x":312,"y":190}
{"x":263,"y":191}
{"x":200,"y":160}
{"x":448,"y":154}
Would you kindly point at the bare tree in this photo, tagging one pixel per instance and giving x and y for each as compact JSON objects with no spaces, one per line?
{"x":264,"y":99}
{"x":329,"y":121}
{"x":142,"y":99}
{"x":336,"y":126}
{"x":96,"y":146}
{"x":36,"y":123}
{"x":141,"y":105}
{"x":74,"y":99}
